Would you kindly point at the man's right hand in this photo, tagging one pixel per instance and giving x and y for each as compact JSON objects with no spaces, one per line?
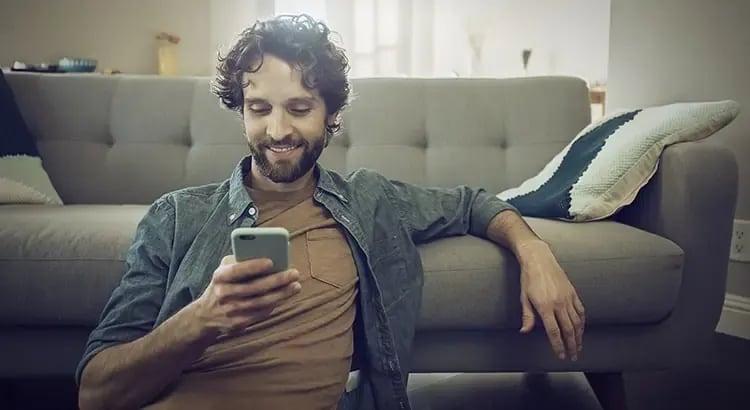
{"x":243,"y":293}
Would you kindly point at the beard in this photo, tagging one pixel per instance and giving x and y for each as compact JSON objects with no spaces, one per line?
{"x":286,"y":170}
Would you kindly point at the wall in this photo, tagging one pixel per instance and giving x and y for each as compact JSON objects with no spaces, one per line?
{"x":669,"y":50}
{"x":120,"y":34}
{"x":568,"y":37}
{"x":227,"y":20}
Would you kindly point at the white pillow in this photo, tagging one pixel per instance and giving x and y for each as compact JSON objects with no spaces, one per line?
{"x":23,"y":180}
{"x":609,"y":161}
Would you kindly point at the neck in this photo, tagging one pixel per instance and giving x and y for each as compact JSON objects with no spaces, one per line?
{"x":259,"y":181}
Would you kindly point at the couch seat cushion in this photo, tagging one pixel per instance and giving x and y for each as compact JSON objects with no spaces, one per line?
{"x":623,"y":276}
{"x":58,"y":265}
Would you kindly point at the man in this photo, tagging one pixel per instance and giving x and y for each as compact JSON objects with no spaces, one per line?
{"x":188,"y":327}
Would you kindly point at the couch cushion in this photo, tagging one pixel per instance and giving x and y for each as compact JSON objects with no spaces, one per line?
{"x":59,"y":264}
{"x":623,"y":275}
{"x":145,"y":135}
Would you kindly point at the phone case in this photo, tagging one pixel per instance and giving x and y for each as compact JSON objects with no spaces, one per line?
{"x":253,"y":243}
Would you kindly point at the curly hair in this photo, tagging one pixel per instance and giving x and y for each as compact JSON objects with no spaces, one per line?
{"x":302,"y":42}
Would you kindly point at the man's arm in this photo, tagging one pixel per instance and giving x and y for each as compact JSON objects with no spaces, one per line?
{"x":433,"y":213}
{"x":119,"y":360}
{"x":132,"y":374}
{"x":128,"y":362}
{"x":544,"y":285}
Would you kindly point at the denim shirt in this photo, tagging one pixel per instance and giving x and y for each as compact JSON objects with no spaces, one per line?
{"x":184,"y":235}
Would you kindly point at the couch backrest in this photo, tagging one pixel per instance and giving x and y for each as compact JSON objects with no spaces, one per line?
{"x":128,"y":139}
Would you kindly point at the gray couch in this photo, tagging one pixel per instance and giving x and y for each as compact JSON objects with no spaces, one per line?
{"x":652,"y":278}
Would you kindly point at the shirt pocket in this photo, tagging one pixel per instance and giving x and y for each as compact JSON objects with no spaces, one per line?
{"x":329,"y":257}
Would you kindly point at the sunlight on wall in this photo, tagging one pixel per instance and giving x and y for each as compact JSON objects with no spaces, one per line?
{"x":468,"y":38}
{"x":315,"y":8}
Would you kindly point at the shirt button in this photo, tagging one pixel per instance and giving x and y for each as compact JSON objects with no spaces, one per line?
{"x":232,"y":216}
{"x":252,"y":211}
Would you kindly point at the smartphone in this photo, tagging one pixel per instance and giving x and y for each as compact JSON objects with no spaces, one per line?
{"x":253,"y":243}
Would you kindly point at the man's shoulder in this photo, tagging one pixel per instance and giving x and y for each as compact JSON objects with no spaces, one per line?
{"x":208,"y":193}
{"x":187,"y":204}
{"x":359,"y":177}
{"x":363,"y":183}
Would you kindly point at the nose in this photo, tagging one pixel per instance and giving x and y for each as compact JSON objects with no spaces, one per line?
{"x":279,"y":125}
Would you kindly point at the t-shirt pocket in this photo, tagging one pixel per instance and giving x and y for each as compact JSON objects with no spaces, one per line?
{"x":330,"y":257}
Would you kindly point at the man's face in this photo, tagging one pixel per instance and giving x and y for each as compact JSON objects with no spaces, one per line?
{"x":284,"y":121}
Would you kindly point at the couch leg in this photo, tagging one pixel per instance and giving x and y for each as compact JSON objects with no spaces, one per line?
{"x":609,"y":389}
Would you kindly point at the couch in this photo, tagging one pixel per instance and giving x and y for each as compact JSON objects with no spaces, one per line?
{"x":652,"y":277}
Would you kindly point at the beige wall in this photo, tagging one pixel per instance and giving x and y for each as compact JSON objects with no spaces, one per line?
{"x":689,"y":50}
{"x":568,"y":37}
{"x":120,"y":34}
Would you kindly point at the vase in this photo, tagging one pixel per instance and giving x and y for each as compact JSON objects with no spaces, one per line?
{"x":169,"y":61}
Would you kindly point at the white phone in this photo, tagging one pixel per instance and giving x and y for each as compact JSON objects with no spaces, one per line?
{"x":253,"y":243}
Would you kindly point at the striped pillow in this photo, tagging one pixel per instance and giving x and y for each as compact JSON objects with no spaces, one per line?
{"x":22,"y":177}
{"x":609,"y":161}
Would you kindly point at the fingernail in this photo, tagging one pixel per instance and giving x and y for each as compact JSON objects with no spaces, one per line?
{"x":297,"y":286}
{"x":574,"y":358}
{"x":561,"y":356}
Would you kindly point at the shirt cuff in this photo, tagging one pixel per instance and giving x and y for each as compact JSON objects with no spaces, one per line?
{"x":485,"y":208}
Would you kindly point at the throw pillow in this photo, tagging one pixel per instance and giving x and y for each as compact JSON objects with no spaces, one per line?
{"x":22,"y":177}
{"x":609,"y":161}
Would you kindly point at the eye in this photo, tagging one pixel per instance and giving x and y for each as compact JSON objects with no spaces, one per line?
{"x":299,"y":110}
{"x":259,"y":109}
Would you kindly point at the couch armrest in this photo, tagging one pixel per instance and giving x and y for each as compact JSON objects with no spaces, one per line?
{"x":691,"y":201}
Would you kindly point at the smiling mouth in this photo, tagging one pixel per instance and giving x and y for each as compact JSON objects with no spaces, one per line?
{"x":285,"y":148}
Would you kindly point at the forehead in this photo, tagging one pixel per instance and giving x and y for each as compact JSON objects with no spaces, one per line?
{"x":276,"y":79}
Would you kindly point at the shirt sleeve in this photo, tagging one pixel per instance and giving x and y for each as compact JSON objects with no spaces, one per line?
{"x":432,"y":213}
{"x":134,"y":304}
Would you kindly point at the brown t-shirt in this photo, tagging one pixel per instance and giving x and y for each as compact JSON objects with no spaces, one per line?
{"x":299,"y":357}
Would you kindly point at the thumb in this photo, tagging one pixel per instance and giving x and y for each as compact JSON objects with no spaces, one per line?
{"x":527,"y":316}
{"x":228,"y":260}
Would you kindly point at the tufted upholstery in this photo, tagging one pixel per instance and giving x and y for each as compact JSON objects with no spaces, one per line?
{"x":652,"y":281}
{"x":128,"y":139}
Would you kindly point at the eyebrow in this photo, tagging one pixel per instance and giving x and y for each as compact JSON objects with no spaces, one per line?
{"x":293,"y":100}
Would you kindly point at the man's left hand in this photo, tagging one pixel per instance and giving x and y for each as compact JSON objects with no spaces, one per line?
{"x":545,"y":288}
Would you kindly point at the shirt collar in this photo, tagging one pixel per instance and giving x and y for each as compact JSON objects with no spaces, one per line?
{"x":240,"y":200}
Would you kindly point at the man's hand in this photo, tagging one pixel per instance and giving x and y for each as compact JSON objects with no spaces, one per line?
{"x":545,"y":287}
{"x":243,"y":293}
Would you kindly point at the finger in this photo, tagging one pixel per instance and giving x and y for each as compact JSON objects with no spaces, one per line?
{"x":241,"y":271}
{"x":527,"y":315}
{"x":568,"y":331}
{"x":269,"y":300}
{"x":553,"y":332}
{"x":228,"y":260}
{"x":577,"y":326}
{"x":256,"y":287}
{"x":579,"y":308}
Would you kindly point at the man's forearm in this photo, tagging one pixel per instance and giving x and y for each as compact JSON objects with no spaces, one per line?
{"x":510,"y":230}
{"x":132,"y":374}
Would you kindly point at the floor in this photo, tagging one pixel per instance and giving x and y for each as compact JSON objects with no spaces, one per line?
{"x":723,"y":384}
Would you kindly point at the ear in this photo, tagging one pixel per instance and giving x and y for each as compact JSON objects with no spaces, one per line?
{"x":331,"y":120}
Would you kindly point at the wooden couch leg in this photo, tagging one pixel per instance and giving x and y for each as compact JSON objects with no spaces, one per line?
{"x":609,"y":389}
